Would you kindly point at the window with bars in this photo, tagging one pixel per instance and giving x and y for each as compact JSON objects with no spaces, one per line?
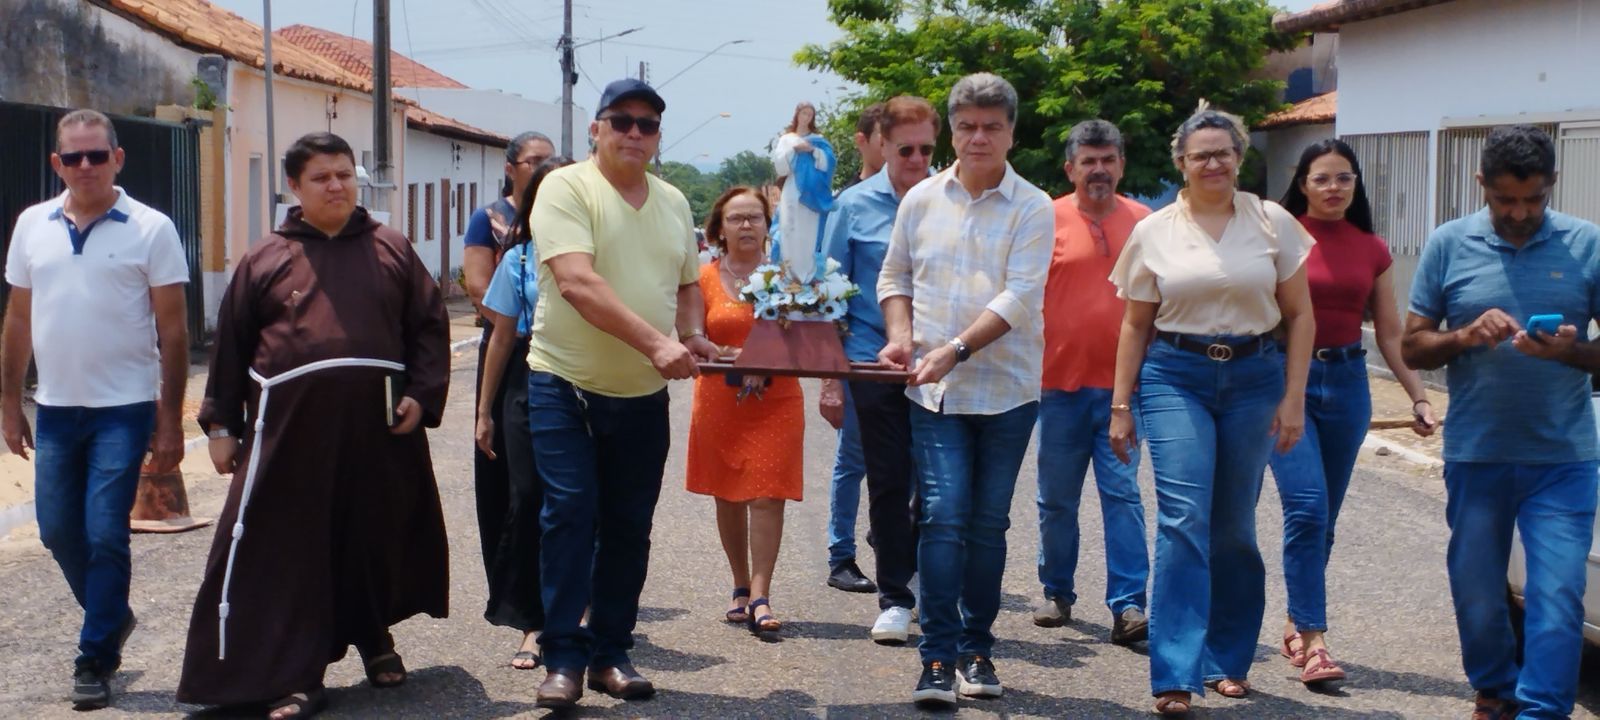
{"x":411,"y":212}
{"x":427,"y":213}
{"x":444,"y":209}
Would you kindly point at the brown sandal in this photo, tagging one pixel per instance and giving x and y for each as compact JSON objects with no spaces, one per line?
{"x":1229,"y":688}
{"x":1296,"y":655}
{"x":1173,"y":704}
{"x":1320,"y":668}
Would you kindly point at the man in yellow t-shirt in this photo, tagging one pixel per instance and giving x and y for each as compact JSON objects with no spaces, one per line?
{"x":619,"y":273}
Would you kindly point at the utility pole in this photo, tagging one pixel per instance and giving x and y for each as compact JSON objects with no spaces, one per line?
{"x":568,"y":77}
{"x":272,"y":150}
{"x":381,"y":180}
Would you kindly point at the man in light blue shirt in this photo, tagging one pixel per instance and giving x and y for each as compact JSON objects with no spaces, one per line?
{"x":1520,"y":447}
{"x":857,"y":235}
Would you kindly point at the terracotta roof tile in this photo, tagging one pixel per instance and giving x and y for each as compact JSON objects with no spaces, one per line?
{"x":429,"y":121}
{"x":205,"y":27}
{"x":355,"y":56}
{"x":1311,"y":111}
{"x":1328,"y":16}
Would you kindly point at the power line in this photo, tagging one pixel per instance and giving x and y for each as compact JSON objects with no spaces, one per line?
{"x":526,"y":46}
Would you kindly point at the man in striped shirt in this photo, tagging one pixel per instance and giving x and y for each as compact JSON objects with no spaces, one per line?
{"x":961,"y":289}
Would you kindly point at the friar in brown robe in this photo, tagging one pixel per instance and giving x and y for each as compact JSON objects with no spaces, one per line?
{"x":343,"y":534}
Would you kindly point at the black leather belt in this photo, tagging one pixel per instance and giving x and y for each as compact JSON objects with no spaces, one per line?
{"x":1339,"y":354}
{"x":1220,"y":352}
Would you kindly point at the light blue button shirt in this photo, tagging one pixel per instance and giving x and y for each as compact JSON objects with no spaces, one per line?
{"x":857,"y":236}
{"x":1505,"y":406}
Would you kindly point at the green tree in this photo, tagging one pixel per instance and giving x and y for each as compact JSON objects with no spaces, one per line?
{"x":1142,"y":64}
{"x":701,"y":189}
{"x":748,"y":167}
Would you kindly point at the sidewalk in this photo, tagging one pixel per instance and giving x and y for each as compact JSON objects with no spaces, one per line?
{"x":16,"y":474}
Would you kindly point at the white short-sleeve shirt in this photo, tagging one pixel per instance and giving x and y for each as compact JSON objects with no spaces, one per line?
{"x":1205,"y":286}
{"x":94,"y":331}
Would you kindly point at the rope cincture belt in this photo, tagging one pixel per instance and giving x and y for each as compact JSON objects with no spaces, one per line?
{"x":266,"y":384}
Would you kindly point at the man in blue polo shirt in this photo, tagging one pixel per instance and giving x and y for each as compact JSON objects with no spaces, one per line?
{"x":1520,"y":448}
{"x":857,"y":235}
{"x":97,"y":298}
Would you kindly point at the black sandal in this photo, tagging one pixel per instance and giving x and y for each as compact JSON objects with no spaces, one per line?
{"x":306,"y":704}
{"x":739,"y":615}
{"x":383,"y":661}
{"x":764,"y":623}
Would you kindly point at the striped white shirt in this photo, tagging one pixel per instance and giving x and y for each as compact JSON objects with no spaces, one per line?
{"x":956,"y":256}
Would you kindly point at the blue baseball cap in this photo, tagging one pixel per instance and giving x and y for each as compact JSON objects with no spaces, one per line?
{"x":630,"y":89}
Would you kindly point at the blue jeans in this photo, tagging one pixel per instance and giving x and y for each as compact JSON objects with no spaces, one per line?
{"x":1206,"y":425}
{"x":86,"y":473}
{"x":1074,"y":427}
{"x":1312,"y":478}
{"x":849,"y":468}
{"x":1553,"y":507}
{"x":966,"y":469}
{"x":601,"y":460}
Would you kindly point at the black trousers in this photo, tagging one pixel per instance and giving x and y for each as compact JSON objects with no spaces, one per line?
{"x":883,"y":414}
{"x":510,"y":497}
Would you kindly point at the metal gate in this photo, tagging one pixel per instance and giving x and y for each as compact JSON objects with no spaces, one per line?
{"x":162,"y":171}
{"x":1578,"y":184}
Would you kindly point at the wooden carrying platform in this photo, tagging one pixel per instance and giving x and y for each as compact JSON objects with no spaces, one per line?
{"x":802,"y":349}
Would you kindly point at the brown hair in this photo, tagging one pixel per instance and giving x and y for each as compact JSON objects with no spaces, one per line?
{"x":868,"y":122}
{"x":906,"y":110}
{"x":794,"y":121}
{"x":714,"y":219}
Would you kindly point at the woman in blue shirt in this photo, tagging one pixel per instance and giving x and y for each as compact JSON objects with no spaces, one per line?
{"x":511,"y":556}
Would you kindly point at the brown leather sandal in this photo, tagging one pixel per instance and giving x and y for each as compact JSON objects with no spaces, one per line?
{"x":1294,"y":648}
{"x":1174,"y":704}
{"x":1230,"y":688}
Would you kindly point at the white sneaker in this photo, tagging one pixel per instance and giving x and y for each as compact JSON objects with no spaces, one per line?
{"x":893,"y":626}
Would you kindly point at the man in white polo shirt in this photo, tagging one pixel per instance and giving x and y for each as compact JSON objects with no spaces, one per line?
{"x":97,"y":297}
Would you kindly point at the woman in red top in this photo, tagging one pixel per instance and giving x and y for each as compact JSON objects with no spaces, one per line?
{"x":1349,"y":273}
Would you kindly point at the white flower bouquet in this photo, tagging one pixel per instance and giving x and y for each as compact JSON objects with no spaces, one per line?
{"x":777,"y":295}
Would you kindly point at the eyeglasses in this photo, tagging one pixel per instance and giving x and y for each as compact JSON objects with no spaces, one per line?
{"x":1343,"y":180}
{"x":95,"y":157}
{"x":1223,"y":157}
{"x":906,"y":151}
{"x":1101,"y":244}
{"x":625,"y":123}
{"x":737,"y":220}
{"x":534,"y":161}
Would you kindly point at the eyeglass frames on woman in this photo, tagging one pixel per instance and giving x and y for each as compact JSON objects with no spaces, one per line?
{"x":1223,"y":157}
{"x":1343,"y":180}
{"x":906,"y":151}
{"x":623,"y":123}
{"x":738,"y":220}
{"x":95,"y":157}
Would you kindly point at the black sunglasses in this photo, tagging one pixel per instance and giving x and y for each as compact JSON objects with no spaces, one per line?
{"x":95,"y":157}
{"x":906,"y":150}
{"x":624,"y":123}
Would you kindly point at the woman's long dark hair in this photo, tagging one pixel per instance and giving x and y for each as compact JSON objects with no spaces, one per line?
{"x":1294,"y":199}
{"x":521,"y":230}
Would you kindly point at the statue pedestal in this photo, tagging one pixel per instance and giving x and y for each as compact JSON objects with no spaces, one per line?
{"x":802,"y":349}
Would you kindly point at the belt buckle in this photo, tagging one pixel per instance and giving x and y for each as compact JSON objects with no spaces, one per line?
{"x":1219,"y":352}
{"x":1324,"y":354}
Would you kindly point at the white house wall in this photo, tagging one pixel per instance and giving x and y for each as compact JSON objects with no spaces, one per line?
{"x":505,"y":113}
{"x":1282,"y":152}
{"x":429,"y":159}
{"x":1468,"y":58}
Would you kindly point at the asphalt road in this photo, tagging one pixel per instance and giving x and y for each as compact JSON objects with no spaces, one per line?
{"x":1392,"y":624}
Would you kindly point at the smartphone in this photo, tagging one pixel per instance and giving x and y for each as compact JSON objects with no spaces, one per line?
{"x":1542,"y":323}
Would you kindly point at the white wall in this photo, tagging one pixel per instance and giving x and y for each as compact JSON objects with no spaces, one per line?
{"x":1282,"y":150}
{"x":505,"y":113}
{"x":429,"y":159}
{"x":1468,"y":58}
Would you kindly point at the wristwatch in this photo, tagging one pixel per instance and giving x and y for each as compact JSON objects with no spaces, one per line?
{"x":218,"y":433}
{"x":962,"y":351}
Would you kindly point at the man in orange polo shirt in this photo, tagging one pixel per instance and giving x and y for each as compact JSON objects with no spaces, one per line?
{"x":1082,"y":318}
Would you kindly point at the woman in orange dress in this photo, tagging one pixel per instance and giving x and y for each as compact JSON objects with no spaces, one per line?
{"x":745,"y":438}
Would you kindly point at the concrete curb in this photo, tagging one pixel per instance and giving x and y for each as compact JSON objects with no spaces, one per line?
{"x":460,"y":345}
{"x":1372,"y":443}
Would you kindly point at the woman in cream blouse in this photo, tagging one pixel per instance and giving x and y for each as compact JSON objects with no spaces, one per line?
{"x":1210,"y":276}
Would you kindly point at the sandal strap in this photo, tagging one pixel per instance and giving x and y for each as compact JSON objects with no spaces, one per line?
{"x":741,"y":592}
{"x":1322,"y":661}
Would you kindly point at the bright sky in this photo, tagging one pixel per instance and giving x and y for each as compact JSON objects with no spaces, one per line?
{"x":510,"y":45}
